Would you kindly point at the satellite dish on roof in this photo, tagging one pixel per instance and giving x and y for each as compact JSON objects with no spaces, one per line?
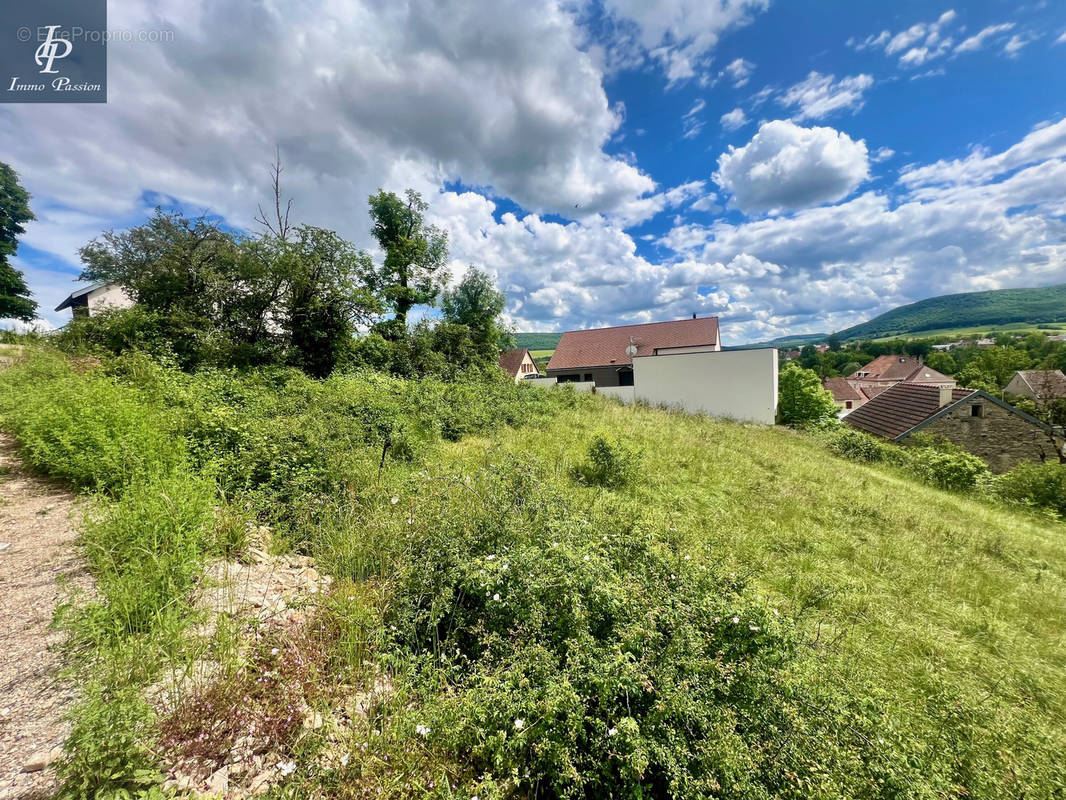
{"x":631,"y":350}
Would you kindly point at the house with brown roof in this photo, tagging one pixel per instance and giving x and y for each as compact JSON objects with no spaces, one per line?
{"x":605,"y":356}
{"x":1039,"y":384}
{"x":987,"y":427}
{"x":846,"y":396}
{"x":519,"y":364}
{"x":886,"y":371}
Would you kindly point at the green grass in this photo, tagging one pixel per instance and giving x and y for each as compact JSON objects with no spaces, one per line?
{"x":935,"y":597}
{"x":546,"y":635}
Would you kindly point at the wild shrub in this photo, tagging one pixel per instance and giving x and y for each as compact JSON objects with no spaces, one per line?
{"x":583,"y":656}
{"x":145,"y":548}
{"x":110,"y":752}
{"x":85,"y":428}
{"x":609,"y":462}
{"x":859,"y":446}
{"x":945,"y":465}
{"x":1036,"y":485}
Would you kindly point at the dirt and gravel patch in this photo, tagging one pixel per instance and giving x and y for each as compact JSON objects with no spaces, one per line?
{"x":38,"y":524}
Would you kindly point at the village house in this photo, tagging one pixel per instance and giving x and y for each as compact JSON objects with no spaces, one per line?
{"x":519,"y":364}
{"x":987,"y":427}
{"x":93,"y":299}
{"x":886,"y":371}
{"x":846,"y":396}
{"x":1039,"y":384}
{"x":604,"y":356}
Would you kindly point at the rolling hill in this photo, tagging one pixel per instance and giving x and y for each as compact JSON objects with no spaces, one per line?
{"x":537,"y":341}
{"x":968,"y":310}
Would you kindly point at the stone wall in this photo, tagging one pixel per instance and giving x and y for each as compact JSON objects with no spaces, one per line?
{"x":1001,"y":438}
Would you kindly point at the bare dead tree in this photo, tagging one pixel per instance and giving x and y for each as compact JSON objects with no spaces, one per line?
{"x":278,"y":225}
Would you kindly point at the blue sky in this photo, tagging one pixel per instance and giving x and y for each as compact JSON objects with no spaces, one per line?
{"x":789,"y":166}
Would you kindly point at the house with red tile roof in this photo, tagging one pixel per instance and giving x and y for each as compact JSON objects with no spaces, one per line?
{"x":987,"y":427}
{"x":846,"y":396}
{"x":518,"y":364}
{"x":605,"y":355}
{"x":886,"y":371}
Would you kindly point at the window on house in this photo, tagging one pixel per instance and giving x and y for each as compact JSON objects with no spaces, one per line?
{"x":569,"y":378}
{"x":625,"y":377}
{"x":847,"y":404}
{"x":588,"y":376}
{"x":977,"y":410}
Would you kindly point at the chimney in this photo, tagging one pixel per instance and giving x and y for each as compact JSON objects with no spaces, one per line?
{"x":945,"y":395}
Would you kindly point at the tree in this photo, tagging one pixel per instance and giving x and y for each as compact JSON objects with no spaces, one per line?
{"x":413,"y":271}
{"x":802,"y":400}
{"x":834,"y":342}
{"x":478,"y":304}
{"x":327,"y":297}
{"x":15,"y":298}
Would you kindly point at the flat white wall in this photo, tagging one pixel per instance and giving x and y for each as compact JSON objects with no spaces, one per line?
{"x":547,"y":383}
{"x":739,"y":384}
{"x":110,"y":296}
{"x":627,"y":394}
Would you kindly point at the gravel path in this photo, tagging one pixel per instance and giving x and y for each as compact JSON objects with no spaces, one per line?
{"x":37,"y":529}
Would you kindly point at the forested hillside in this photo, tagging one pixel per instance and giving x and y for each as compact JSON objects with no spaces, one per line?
{"x":537,"y":341}
{"x":995,"y":307}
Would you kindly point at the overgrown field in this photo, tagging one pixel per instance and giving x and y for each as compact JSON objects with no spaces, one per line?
{"x":560,"y":597}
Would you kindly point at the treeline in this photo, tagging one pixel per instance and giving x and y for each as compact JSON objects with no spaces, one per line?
{"x":295,"y":295}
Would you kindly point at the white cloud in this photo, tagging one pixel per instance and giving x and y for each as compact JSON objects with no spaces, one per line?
{"x":1046,"y":142}
{"x":679,"y":34}
{"x":691,"y":123}
{"x":979,"y":39}
{"x":1015,"y":45}
{"x":732,"y":120}
{"x":505,"y":99}
{"x":991,"y":221}
{"x":1061,"y":39}
{"x":882,"y":154}
{"x":915,"y":45}
{"x":739,"y":71}
{"x":819,"y":95}
{"x":39,"y":325}
{"x":787,"y":167}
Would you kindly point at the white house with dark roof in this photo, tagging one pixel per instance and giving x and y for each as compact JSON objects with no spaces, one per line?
{"x":95,"y":298}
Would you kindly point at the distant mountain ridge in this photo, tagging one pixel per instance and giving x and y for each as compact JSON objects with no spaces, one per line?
{"x":969,"y":309}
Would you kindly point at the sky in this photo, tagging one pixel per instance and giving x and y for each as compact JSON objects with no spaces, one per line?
{"x":790,"y":166}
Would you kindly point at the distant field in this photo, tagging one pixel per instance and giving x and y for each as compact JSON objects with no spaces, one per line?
{"x":537,"y":341}
{"x":982,"y":330}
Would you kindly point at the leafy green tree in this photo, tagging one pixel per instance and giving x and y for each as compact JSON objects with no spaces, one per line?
{"x":413,"y":271}
{"x":802,"y":400}
{"x":478,"y":304}
{"x":941,"y":362}
{"x":327,"y":296}
{"x":15,"y":299}
{"x":834,"y":342}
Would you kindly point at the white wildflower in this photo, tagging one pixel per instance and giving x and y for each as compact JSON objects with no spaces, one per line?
{"x":287,"y":768}
{"x":422,"y":730}
{"x":273,"y":651}
{"x":504,"y":568}
{"x":586,"y":558}
{"x":736,"y":620}
{"x":395,"y":500}
{"x":519,"y":724}
{"x":496,"y":597}
{"x":612,"y":732}
{"x":489,"y":557}
{"x":754,"y":628}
